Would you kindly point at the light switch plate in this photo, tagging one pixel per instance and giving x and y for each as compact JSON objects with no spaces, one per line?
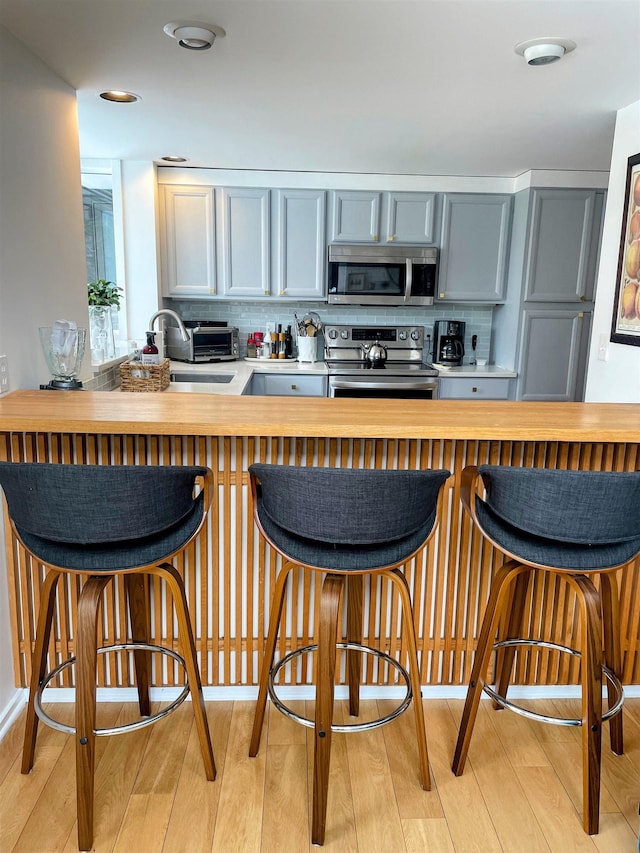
{"x":603,"y":348}
{"x":4,"y":374}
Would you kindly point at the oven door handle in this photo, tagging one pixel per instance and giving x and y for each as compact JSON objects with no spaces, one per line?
{"x":411,"y":385}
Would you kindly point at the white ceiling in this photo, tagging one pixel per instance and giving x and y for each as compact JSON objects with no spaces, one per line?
{"x":429,"y":87}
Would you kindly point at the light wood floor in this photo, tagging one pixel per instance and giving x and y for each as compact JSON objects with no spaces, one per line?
{"x":520,"y":793}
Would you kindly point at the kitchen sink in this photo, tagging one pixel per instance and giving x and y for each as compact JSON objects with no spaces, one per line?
{"x":220,"y":378}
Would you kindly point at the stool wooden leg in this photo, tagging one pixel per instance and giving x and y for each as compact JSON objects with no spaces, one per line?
{"x":39,"y":665}
{"x":591,"y":675}
{"x":137,"y":596}
{"x":513,"y":629}
{"x":86,"y":656}
{"x":187,"y":643}
{"x":277,"y":600}
{"x":327,"y":632}
{"x":354,"y":635}
{"x":498,"y":598}
{"x":408,"y":626}
{"x":612,"y":651}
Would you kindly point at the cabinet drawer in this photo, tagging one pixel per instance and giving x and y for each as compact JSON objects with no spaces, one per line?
{"x":291,"y":385}
{"x":471,"y":389}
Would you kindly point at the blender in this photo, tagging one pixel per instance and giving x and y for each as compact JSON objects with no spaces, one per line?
{"x":63,"y":348}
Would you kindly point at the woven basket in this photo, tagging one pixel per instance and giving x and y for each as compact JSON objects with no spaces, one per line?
{"x":135,"y":376}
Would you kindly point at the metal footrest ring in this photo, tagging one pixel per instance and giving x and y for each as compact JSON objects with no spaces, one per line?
{"x":611,"y":677}
{"x":352,"y":727}
{"x":115,"y":730}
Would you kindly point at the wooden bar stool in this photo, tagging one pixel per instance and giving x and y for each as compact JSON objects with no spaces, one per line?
{"x":344,"y":523}
{"x":576,"y":525}
{"x":100,"y":522}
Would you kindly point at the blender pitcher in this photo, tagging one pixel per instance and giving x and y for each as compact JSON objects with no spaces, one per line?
{"x":63,"y":347}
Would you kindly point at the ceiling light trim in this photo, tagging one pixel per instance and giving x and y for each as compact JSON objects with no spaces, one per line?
{"x":194,"y":35}
{"x":119,"y":96}
{"x":544,"y":51}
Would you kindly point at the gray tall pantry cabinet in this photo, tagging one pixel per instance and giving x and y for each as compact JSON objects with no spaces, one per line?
{"x":546,"y":319}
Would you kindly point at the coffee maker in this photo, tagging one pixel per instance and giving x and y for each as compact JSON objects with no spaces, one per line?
{"x":448,"y":342}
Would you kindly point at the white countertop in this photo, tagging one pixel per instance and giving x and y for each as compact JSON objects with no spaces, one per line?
{"x":243,"y":369}
{"x":473,"y":371}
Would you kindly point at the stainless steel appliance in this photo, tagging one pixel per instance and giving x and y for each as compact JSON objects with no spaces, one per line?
{"x":448,"y":342}
{"x":206,"y":341}
{"x":385,"y":362}
{"x":382,"y":275}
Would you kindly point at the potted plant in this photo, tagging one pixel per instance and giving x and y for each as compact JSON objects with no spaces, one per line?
{"x":103,"y":297}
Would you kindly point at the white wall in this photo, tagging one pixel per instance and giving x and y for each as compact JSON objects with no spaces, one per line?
{"x":616,"y":380}
{"x":42,"y":263}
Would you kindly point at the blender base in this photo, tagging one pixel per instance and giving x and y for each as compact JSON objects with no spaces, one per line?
{"x":63,"y":385}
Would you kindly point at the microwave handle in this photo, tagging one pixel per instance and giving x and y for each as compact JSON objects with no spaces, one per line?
{"x":409,"y":280}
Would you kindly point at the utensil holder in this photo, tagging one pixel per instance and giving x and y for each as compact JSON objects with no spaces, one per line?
{"x":307,"y":349}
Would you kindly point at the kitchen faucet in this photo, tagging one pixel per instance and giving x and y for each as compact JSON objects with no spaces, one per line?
{"x":179,"y":323}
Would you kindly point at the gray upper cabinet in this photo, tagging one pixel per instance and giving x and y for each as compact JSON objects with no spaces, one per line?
{"x":553,"y":349}
{"x":474,"y":248}
{"x":187,"y":240}
{"x":355,"y":216}
{"x":562,"y":251}
{"x":244,"y":249}
{"x":408,"y":217}
{"x":299,"y":244}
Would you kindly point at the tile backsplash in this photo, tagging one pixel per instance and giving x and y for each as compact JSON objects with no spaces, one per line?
{"x":252,"y":316}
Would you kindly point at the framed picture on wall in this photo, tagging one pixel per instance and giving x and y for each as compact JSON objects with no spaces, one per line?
{"x":625,"y":327}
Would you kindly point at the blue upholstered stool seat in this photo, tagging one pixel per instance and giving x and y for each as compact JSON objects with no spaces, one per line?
{"x":100,"y":521}
{"x":343,"y":522}
{"x":572,"y":524}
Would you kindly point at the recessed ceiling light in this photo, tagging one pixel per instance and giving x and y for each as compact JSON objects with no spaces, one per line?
{"x":194,"y":35}
{"x":544,"y":51}
{"x":173,"y":158}
{"x":119,"y":97}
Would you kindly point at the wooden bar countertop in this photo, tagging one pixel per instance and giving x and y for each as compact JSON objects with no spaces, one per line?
{"x":211,"y":414}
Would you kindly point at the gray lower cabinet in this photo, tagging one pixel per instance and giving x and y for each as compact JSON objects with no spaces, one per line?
{"x":563,"y":245}
{"x":288,"y":385}
{"x":553,"y":354}
{"x":481,"y":388}
{"x":187,"y":240}
{"x":474,"y":247}
{"x":359,"y":216}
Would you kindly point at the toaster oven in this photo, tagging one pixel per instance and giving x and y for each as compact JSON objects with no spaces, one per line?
{"x":206,"y":343}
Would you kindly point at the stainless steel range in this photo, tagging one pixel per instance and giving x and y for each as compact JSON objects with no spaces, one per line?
{"x":378,"y":361}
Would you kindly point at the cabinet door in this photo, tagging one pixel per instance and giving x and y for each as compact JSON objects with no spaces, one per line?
{"x":562,"y":245}
{"x":473,"y":389}
{"x":552,"y":354}
{"x":300,"y":244}
{"x":294,"y":385}
{"x":187,"y":240}
{"x":243,"y":227}
{"x":475,"y":247}
{"x":411,"y":217}
{"x":355,"y":216}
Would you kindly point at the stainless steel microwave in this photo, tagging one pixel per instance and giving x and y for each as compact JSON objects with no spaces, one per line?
{"x":382,"y":275}
{"x":205,"y":343}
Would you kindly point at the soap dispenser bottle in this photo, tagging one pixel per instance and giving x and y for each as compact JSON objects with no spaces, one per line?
{"x":150,"y":354}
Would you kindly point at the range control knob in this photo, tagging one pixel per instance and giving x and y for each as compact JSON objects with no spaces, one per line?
{"x":344,"y":334}
{"x":332,"y":333}
{"x":415,"y":335}
{"x":402,"y":334}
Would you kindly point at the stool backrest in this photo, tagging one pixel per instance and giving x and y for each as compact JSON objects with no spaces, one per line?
{"x":598,"y":507}
{"x":348,"y":505}
{"x":88,"y":504}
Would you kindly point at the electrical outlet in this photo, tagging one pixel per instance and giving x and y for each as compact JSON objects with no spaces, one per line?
{"x":4,"y":374}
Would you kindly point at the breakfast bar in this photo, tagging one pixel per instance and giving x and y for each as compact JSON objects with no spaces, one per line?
{"x":229,"y":573}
